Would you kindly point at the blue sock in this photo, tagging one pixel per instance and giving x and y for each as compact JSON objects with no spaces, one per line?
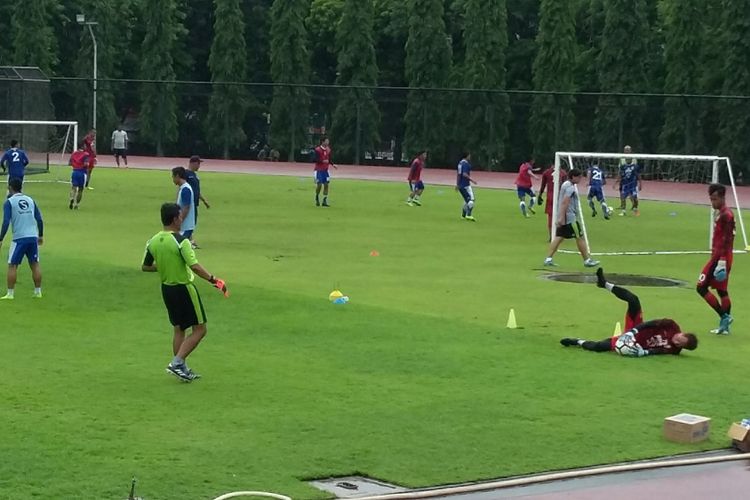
{"x":177,"y":361}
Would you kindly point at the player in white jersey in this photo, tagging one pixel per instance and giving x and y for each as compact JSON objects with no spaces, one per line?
{"x":186,"y":201}
{"x":120,"y":145}
{"x":22,"y":214}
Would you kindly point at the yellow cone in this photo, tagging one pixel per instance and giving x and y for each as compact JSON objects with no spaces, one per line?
{"x":511,"y":319}
{"x":618,"y":330}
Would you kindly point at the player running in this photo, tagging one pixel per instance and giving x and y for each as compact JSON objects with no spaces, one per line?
{"x":79,"y":160}
{"x":22,"y":214}
{"x":322,"y":177}
{"x":629,"y":182}
{"x":463,"y":186}
{"x":524,"y":186}
{"x":596,"y":182}
{"x":658,"y":336}
{"x":715,"y":273}
{"x":416,"y":186}
{"x":14,"y":161}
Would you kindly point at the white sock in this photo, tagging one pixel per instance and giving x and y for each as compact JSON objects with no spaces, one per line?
{"x":38,"y":290}
{"x":580,"y":342}
{"x":609,"y":286}
{"x":11,"y":291}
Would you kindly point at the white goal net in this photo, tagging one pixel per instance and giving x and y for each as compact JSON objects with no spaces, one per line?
{"x":45,"y":142}
{"x":683,"y":226}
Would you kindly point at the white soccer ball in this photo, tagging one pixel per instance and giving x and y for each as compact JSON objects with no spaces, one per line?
{"x":625,"y":345}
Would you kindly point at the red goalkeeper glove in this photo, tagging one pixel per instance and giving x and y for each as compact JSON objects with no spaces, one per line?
{"x":220,"y":284}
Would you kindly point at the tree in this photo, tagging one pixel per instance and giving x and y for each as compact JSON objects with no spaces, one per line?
{"x":228,"y":63}
{"x":290,"y":68}
{"x":685,"y":35}
{"x":621,"y":65}
{"x":321,"y":23}
{"x":34,"y":42}
{"x":552,"y":118}
{"x":482,"y":119}
{"x":428,"y":65}
{"x":735,"y":128}
{"x":158,"y":113}
{"x":356,"y":118}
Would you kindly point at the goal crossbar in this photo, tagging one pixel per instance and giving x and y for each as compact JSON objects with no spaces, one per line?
{"x":714,"y":160}
{"x":70,"y":124}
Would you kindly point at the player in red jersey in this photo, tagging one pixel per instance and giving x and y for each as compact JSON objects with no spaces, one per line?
{"x":416,"y":186}
{"x":548,"y":183}
{"x":89,"y":145}
{"x":322,"y":177}
{"x":79,"y":160}
{"x":658,"y":336}
{"x":715,"y":273}
{"x":524,"y":186}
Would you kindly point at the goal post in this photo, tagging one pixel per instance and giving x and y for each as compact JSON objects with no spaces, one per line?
{"x":45,"y":142}
{"x":680,"y":172}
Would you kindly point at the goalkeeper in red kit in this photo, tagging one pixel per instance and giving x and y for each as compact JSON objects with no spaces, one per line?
{"x":715,"y":273}
{"x":658,"y":336}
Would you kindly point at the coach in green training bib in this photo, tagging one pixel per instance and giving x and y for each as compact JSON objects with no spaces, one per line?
{"x":169,"y":253}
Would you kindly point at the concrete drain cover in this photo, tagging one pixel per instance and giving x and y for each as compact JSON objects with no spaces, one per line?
{"x":619,"y":279}
{"x":355,"y":486}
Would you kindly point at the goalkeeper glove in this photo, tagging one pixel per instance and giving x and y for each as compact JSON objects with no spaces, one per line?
{"x":539,"y":200}
{"x":720,"y":271}
{"x":220,"y":284}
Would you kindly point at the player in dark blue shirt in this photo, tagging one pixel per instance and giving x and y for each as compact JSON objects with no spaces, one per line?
{"x":14,"y":161}
{"x":463,"y":186}
{"x":195,"y":183}
{"x":629,"y":182}
{"x":596,"y":182}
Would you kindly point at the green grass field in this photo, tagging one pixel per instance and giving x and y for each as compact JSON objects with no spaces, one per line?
{"x":415,"y":381}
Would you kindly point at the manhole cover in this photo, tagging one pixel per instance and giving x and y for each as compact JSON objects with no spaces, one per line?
{"x":355,"y":486}
{"x":619,"y":279}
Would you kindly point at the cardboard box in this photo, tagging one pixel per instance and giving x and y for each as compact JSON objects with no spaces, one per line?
{"x":740,"y":437}
{"x":686,"y":428}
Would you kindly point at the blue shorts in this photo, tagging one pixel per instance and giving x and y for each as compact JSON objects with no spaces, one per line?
{"x":78,"y":178}
{"x":629,"y":190}
{"x":321,"y":176}
{"x":414,"y":186}
{"x":466,"y":193}
{"x":596,"y":192}
{"x":28,"y":247}
{"x":524,"y":192}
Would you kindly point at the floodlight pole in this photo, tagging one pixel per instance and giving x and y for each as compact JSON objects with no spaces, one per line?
{"x":81,"y":19}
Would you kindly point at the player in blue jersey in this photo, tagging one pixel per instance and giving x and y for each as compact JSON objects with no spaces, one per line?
{"x":186,"y":201}
{"x":22,"y":214}
{"x":596,"y":182}
{"x":629,"y":182}
{"x":463,"y":186}
{"x":195,"y":184}
{"x":14,"y":161}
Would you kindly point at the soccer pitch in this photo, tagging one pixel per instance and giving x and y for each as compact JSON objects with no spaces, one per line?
{"x":415,"y":381}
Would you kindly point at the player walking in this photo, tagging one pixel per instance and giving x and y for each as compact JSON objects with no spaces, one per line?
{"x":567,"y":225}
{"x":416,"y":186}
{"x":596,"y":182}
{"x":120,"y":145}
{"x":659,"y":336}
{"x":629,"y":182}
{"x":524,"y":186}
{"x":715,"y":273}
{"x":22,"y":214}
{"x":79,"y":160}
{"x":89,"y":145}
{"x":14,"y":161}
{"x":194,"y":164}
{"x":548,"y":183}
{"x":463,"y":186}
{"x":169,"y":253}
{"x":322,"y":162}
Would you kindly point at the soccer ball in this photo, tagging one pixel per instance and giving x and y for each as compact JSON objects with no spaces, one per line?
{"x":625,"y":345}
{"x":336,"y":294}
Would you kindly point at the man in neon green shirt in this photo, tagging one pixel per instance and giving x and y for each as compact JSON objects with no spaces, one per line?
{"x":170,"y":254}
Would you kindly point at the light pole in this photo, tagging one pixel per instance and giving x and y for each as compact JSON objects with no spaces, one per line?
{"x":81,"y":19}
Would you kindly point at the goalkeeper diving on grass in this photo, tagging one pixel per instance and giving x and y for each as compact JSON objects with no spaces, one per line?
{"x":658,"y":336}
{"x":169,"y":253}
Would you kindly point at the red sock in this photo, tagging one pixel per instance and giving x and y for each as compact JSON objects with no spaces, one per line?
{"x":726,"y":304}
{"x":713,"y":302}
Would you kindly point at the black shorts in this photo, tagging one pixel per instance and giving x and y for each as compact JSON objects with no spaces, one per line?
{"x":184,"y":305}
{"x":120,"y":152}
{"x":569,"y":231}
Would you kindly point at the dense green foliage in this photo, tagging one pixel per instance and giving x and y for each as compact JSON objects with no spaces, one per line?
{"x":587,"y":46}
{"x":415,"y":381}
